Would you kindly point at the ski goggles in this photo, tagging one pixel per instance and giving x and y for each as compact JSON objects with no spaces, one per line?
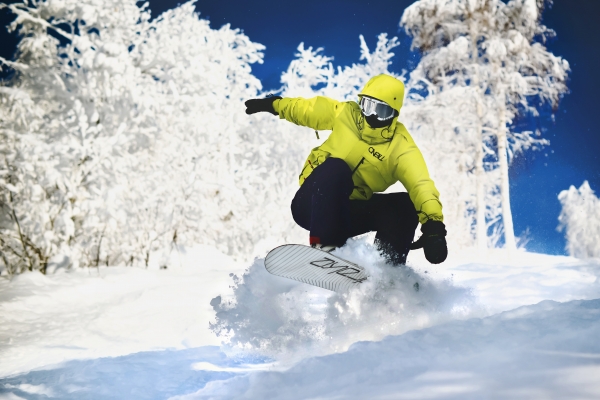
{"x":371,"y":106}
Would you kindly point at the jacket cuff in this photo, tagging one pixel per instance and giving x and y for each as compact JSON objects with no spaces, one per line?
{"x":276,"y":105}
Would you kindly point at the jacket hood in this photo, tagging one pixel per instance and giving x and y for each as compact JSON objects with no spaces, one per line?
{"x":385,"y":88}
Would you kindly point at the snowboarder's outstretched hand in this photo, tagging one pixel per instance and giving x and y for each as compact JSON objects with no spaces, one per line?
{"x":261,"y":105}
{"x":433,"y":241}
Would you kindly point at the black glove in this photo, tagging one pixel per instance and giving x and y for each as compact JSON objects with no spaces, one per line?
{"x":261,"y":105}
{"x":433,"y":241}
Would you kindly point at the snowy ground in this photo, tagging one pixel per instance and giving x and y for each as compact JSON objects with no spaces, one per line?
{"x":491,"y":325}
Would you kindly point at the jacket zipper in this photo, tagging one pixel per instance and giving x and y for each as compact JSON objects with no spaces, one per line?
{"x":358,"y":165}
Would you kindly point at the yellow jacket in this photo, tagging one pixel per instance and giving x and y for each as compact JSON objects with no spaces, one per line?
{"x":379,"y":157}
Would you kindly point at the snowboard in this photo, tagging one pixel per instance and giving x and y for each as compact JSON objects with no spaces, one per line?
{"x":315,"y":267}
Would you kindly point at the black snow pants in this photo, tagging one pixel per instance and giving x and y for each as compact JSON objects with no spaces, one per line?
{"x":322,"y":206}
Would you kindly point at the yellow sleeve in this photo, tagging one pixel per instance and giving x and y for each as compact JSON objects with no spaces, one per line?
{"x":317,"y":113}
{"x":412,"y":172}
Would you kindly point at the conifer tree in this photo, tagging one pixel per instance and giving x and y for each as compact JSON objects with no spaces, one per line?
{"x":497,"y":50}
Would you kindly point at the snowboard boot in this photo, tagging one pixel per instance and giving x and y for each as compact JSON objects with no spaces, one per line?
{"x":391,"y":254}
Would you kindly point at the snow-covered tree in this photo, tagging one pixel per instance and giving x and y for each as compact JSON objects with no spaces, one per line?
{"x":68,"y":116}
{"x":496,"y":50}
{"x":122,"y":136}
{"x":580,"y":220}
{"x":450,"y":150}
{"x":313,"y":73}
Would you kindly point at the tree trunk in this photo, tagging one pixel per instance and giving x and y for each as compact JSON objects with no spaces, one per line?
{"x":480,"y":227}
{"x":509,"y":234}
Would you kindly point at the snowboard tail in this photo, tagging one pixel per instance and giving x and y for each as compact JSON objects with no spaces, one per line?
{"x":314,"y":267}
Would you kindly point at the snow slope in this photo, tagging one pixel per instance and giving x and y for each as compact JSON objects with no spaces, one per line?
{"x":108,"y":312}
{"x":135,"y":333}
{"x":548,"y":350}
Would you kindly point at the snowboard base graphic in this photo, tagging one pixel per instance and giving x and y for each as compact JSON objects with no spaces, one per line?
{"x":315,"y":267}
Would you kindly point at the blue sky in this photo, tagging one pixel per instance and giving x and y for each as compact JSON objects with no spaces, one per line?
{"x":536,"y":178}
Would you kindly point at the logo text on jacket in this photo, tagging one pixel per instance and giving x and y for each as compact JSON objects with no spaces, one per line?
{"x":376,"y":154}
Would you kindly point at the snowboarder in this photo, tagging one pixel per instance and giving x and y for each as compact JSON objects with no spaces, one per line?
{"x":367,"y":151}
